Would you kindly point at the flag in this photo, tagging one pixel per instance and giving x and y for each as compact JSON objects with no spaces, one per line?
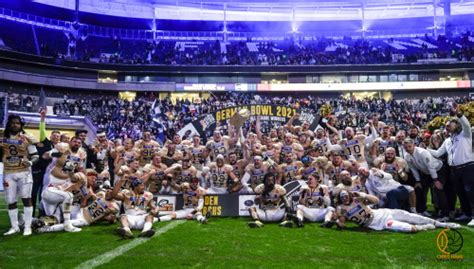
{"x":42,"y":99}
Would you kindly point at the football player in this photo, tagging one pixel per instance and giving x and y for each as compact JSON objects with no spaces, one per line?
{"x":62,"y":194}
{"x":314,"y":203}
{"x":193,"y":197}
{"x":146,"y":147}
{"x":139,"y":206}
{"x":154,"y":175}
{"x":354,"y":206}
{"x":18,"y":154}
{"x":219,"y":176}
{"x":269,"y":198}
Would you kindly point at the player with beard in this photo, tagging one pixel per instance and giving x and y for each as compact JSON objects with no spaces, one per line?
{"x":146,"y":147}
{"x":354,"y":206}
{"x":414,"y":133}
{"x":335,"y":167}
{"x":269,"y":199}
{"x":66,"y":157}
{"x":122,"y":154}
{"x":289,"y":146}
{"x":197,"y":151}
{"x":154,"y":176}
{"x":348,"y":183}
{"x":238,"y":168}
{"x":101,"y":148}
{"x":131,"y":170}
{"x":354,"y":145}
{"x":314,"y":203}
{"x":386,"y":140}
{"x":193,"y":197}
{"x":18,"y":153}
{"x":139,"y":207}
{"x":219,"y":175}
{"x":169,"y":154}
{"x":254,"y":173}
{"x":290,"y":169}
{"x":183,"y":172}
{"x":269,"y":149}
{"x":393,"y":165}
{"x":62,"y":195}
{"x":219,"y":144}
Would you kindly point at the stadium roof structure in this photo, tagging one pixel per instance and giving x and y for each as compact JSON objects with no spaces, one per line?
{"x":269,"y":10}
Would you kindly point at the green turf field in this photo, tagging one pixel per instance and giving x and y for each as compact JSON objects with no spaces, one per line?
{"x":228,"y":243}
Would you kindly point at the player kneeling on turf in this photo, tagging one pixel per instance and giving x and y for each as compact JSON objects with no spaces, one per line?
{"x":354,"y":206}
{"x":103,"y":207}
{"x":269,"y":197}
{"x":62,"y":194}
{"x":314,"y":203}
{"x":193,"y":197}
{"x":139,"y":206}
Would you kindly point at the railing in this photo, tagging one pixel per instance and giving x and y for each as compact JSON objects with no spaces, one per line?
{"x":142,"y":34}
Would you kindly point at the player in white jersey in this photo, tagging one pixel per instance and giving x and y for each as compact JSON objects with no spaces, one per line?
{"x":103,"y":207}
{"x":269,"y":199}
{"x":354,"y":206}
{"x":18,"y":153}
{"x":139,"y":207}
{"x":314,"y":203}
{"x":61,"y":196}
{"x":193,"y":197}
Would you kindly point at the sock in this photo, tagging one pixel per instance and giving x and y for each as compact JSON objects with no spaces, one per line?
{"x":413,"y":209}
{"x":28,"y":215}
{"x":127,"y":229}
{"x":299,"y":214}
{"x":165,"y":218}
{"x":146,"y":227}
{"x":13,"y":214}
{"x":54,"y":228}
{"x":67,"y":218}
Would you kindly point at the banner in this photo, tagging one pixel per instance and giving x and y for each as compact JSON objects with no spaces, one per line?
{"x":270,"y":116}
{"x":226,"y":205}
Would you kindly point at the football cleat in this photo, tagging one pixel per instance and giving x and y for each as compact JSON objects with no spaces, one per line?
{"x":208,"y":214}
{"x":327,"y":224}
{"x":450,"y":225}
{"x":12,"y":231}
{"x":463,"y":217}
{"x":471,"y":223}
{"x":255,"y":224}
{"x":148,"y":233}
{"x":125,"y":234}
{"x":287,"y":224}
{"x":27,"y":231}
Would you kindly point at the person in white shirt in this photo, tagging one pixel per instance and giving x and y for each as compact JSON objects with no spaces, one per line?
{"x":461,"y":161}
{"x":426,"y":170}
{"x":390,"y":192}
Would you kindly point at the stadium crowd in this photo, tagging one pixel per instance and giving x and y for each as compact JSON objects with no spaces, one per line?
{"x":368,"y":162}
{"x":118,"y":117}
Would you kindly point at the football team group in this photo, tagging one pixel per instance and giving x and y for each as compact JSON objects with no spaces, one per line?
{"x":373,"y":175}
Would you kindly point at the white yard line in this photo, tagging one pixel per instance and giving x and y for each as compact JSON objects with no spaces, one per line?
{"x":108,"y":256}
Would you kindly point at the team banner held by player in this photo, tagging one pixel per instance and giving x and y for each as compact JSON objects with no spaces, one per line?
{"x":270,"y":116}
